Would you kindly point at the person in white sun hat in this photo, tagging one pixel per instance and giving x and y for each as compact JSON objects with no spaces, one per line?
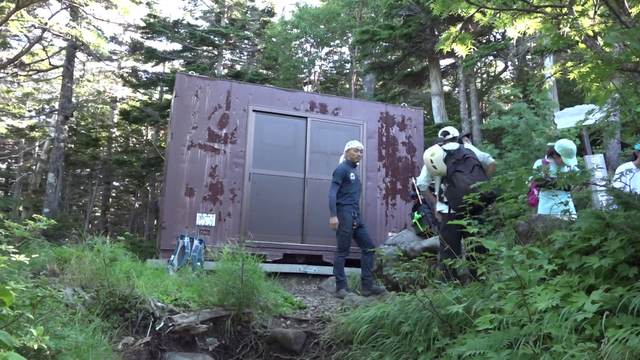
{"x":555,"y":200}
{"x":344,"y":206}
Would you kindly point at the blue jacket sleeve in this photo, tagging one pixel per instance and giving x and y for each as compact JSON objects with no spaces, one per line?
{"x":338,"y":175}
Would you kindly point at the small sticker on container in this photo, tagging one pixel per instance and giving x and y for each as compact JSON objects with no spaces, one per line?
{"x":203,"y":219}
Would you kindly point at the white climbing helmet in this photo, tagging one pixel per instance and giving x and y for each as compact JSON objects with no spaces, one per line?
{"x":434,"y":161}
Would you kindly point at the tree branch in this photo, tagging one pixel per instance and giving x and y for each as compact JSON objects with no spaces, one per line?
{"x":624,"y":17}
{"x":493,"y":81}
{"x":535,"y":10}
{"x":47,"y":58}
{"x":630,"y":70}
{"x":19,"y":6}
{"x":24,"y":51}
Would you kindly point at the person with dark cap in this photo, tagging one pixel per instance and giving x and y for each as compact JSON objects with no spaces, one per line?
{"x":466,"y":138}
{"x":344,"y":206}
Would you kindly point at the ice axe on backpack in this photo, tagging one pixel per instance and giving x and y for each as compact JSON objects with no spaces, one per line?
{"x":415,"y":185}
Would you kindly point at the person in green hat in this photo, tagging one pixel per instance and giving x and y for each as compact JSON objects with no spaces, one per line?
{"x":626,"y":177}
{"x":552,"y":199}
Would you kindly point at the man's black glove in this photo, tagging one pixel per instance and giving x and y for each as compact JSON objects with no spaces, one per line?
{"x":413,"y":194}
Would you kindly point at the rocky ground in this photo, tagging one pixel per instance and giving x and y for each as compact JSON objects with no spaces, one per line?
{"x":208,"y":334}
{"x":301,"y":334}
{"x":309,"y":289}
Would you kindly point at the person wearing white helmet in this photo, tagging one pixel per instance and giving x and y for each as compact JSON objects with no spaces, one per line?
{"x":344,"y":206}
{"x":435,"y":169}
{"x":450,"y":136}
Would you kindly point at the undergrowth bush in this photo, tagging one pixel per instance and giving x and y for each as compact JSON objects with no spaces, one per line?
{"x":35,"y":322}
{"x":573,"y":295}
{"x":241,"y":283}
{"x":75,"y":301}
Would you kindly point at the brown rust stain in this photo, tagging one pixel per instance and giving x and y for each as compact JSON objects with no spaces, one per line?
{"x":321,"y":108}
{"x":215,"y":187}
{"x":206,"y":148}
{"x":223,"y":122}
{"x":215,"y":110}
{"x":312,"y":106}
{"x":189,"y":192}
{"x":399,"y":166}
{"x":222,"y":139}
{"x":234,"y":194}
{"x":402,"y":124}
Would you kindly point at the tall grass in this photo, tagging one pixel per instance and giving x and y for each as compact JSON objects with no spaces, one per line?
{"x":118,"y":287}
{"x":241,"y":283}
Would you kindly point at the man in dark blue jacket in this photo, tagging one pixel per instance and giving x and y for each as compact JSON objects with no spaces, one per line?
{"x":344,"y":205}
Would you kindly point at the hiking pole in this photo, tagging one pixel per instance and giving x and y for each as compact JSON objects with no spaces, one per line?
{"x":413,"y":180}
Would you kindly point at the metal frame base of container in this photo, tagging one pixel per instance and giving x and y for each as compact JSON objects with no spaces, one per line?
{"x":272,"y":268}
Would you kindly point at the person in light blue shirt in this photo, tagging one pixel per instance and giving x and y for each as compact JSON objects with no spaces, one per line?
{"x":555,"y":200}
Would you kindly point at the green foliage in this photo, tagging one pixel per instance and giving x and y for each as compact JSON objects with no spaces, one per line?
{"x":572,"y":295}
{"x":241,"y":283}
{"x":519,"y":130}
{"x":18,"y":303}
{"x":73,"y":301}
{"x":139,"y":247}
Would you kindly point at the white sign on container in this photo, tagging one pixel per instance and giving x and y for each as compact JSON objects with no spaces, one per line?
{"x":204,"y":219}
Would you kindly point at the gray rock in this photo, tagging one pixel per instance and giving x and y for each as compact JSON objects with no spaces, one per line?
{"x":186,"y":356}
{"x":537,"y":227}
{"x":353,"y":300}
{"x":403,"y":246}
{"x":387,"y":255}
{"x":328,"y":285}
{"x":289,"y":339}
{"x":403,"y":237}
{"x":415,"y":249}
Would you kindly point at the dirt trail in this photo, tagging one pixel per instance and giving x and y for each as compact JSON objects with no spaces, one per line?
{"x":222,"y":338}
{"x":305,"y":288}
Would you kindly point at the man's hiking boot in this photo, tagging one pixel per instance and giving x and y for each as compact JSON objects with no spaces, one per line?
{"x":342,"y":293}
{"x":373,"y":290}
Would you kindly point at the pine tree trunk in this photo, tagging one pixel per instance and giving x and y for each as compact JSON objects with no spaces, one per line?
{"x":65,"y":112}
{"x":107,"y":175}
{"x":93,"y":191}
{"x":355,"y":51}
{"x":612,"y":146}
{"x":151,"y":213}
{"x":552,"y":89}
{"x":437,"y":90}
{"x":521,"y":49}
{"x":64,"y":198}
{"x":476,"y":120}
{"x":223,"y":23}
{"x":34,"y":181}
{"x":462,"y":96}
{"x":17,"y":184}
{"x":134,"y":208}
{"x":354,"y":73}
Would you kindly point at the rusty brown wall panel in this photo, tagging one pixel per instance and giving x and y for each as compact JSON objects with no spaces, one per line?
{"x":205,"y":162}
